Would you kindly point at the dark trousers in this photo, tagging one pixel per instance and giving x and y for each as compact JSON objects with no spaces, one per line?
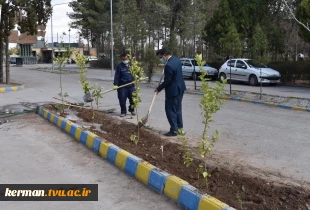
{"x":173,"y":107}
{"x":123,"y":94}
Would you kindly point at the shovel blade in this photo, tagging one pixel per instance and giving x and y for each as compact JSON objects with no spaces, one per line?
{"x":143,"y":121}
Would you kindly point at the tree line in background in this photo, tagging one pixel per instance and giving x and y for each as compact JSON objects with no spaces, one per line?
{"x":261,"y":29}
{"x":26,"y":15}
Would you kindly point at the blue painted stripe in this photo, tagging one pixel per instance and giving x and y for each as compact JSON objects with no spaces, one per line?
{"x":189,"y":197}
{"x":308,"y":110}
{"x":158,"y":179}
{"x":96,"y":145}
{"x":83,"y":137}
{"x":19,"y":87}
{"x":132,"y":165}
{"x":235,"y":99}
{"x":8,"y":89}
{"x":63,"y":124}
{"x":56,"y":119}
{"x":73,"y":129}
{"x":37,"y":109}
{"x":112,"y":152}
{"x":284,"y":106}
{"x":48,"y":117}
{"x":258,"y":102}
{"x":42,"y":112}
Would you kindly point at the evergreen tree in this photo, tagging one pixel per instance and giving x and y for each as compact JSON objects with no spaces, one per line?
{"x":230,"y":42}
{"x":259,"y":43}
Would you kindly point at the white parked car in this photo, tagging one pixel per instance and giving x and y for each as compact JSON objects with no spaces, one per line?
{"x":188,"y":69}
{"x":250,"y":71}
{"x":92,"y":58}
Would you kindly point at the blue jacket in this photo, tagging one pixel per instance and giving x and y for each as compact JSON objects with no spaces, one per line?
{"x":173,"y":83}
{"x":122,"y":75}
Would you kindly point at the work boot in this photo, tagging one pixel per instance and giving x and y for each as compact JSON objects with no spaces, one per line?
{"x":169,"y":134}
{"x":123,"y":115}
{"x":133,"y":113}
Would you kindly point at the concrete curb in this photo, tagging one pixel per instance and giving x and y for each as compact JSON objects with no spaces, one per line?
{"x":295,"y":108}
{"x":268,"y":104}
{"x":171,"y":186}
{"x":265,"y":94}
{"x":14,"y":88}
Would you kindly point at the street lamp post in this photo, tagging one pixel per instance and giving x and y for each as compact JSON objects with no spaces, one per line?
{"x":53,"y":68}
{"x":69,"y":38}
{"x":112,"y":50}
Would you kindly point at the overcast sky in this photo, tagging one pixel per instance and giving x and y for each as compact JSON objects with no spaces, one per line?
{"x":60,"y":23}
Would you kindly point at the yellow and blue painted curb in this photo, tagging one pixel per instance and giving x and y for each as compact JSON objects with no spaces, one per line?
{"x":268,"y":104}
{"x":162,"y":182}
{"x":14,"y":88}
{"x":265,"y":94}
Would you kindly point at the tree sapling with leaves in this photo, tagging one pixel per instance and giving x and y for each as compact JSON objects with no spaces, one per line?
{"x":60,"y":62}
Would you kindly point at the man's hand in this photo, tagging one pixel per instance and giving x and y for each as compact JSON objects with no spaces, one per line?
{"x":115,"y":87}
{"x":156,"y":91}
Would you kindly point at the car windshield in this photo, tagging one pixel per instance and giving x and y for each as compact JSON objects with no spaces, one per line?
{"x":255,"y":64}
{"x":194,"y":62}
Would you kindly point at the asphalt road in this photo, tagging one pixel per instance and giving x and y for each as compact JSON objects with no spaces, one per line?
{"x":34,"y":152}
{"x":267,"y":138}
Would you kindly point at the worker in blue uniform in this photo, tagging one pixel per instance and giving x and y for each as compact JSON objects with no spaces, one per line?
{"x":122,"y":77}
{"x":174,"y":86}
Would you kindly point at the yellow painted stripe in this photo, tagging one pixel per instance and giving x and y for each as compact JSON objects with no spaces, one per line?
{"x":299,"y":108}
{"x":77,"y":134}
{"x":103,"y":150}
{"x":45,"y":114}
{"x":246,"y":100}
{"x":60,"y":119}
{"x":121,"y":159}
{"x":68,"y":126}
{"x":40,"y":110}
{"x":23,"y":86}
{"x":143,"y":171}
{"x":173,"y":186}
{"x":211,"y":203}
{"x":270,"y":104}
{"x":90,"y":140}
{"x":2,"y":90}
{"x":52,"y":117}
{"x":14,"y":88}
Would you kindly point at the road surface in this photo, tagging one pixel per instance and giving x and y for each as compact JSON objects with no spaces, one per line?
{"x":263,"y":137}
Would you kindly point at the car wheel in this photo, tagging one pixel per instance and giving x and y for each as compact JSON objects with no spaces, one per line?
{"x":222,"y":75}
{"x":253,"y":80}
{"x":194,"y":76}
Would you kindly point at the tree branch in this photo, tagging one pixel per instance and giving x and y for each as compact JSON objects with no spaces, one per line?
{"x":291,"y":12}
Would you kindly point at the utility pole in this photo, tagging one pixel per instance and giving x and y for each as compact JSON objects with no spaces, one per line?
{"x":112,"y":50}
{"x":194,"y":75}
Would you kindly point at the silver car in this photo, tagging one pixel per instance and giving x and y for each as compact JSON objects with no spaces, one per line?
{"x":250,"y":71}
{"x":188,"y":65}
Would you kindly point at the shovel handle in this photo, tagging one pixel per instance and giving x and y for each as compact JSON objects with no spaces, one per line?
{"x":118,"y":87}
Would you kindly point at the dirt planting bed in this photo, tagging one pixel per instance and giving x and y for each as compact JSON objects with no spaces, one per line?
{"x":235,"y":188}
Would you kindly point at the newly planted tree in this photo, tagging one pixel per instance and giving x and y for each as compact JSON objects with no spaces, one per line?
{"x":137,"y":72}
{"x":210,"y":103}
{"x":91,"y":91}
{"x":60,"y":62}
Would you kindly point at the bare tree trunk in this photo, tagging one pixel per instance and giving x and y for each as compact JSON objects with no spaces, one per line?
{"x":1,"y":58}
{"x":7,"y":61}
{"x":1,"y":48}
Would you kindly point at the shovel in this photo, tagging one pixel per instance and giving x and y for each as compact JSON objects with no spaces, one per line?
{"x":146,"y":117}
{"x":119,"y":87}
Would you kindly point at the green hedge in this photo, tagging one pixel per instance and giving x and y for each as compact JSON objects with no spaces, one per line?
{"x":292,"y":72}
{"x":103,"y":63}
